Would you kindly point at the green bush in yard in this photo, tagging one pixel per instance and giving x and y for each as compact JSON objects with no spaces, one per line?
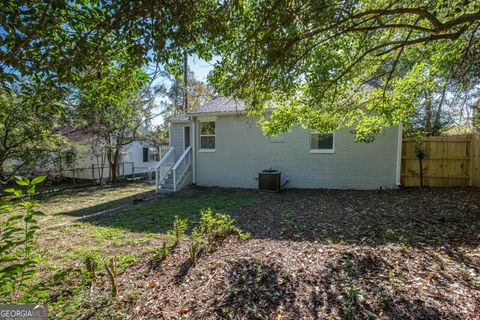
{"x":18,"y":224}
{"x":217,"y":226}
{"x":212,"y":227}
{"x":172,"y":238}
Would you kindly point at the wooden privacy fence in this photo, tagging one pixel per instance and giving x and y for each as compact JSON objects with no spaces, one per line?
{"x":451,"y":161}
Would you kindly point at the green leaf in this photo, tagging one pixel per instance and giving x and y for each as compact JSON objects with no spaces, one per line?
{"x":22,"y":181}
{"x":31,"y":189}
{"x":38,"y":179}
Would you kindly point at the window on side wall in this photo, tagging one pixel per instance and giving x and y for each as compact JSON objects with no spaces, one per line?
{"x":207,"y":135}
{"x":145,"y":154}
{"x":322,"y":142}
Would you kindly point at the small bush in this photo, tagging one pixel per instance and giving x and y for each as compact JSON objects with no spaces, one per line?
{"x":198,"y":243}
{"x":212,"y":227}
{"x":217,"y":226}
{"x":179,"y":228}
{"x":162,"y":252}
{"x":18,"y":225}
{"x":172,"y":238}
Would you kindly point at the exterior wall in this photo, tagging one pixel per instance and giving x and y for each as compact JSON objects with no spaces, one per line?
{"x":176,"y":137}
{"x":241,"y":151}
{"x":134,"y":153}
{"x":82,"y":169}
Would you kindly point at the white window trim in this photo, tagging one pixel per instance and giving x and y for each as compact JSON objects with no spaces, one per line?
{"x":321,"y":150}
{"x":207,"y":150}
{"x":207,"y":135}
{"x":183,"y":134}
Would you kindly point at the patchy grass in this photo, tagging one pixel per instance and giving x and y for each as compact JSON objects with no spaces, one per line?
{"x":137,"y":228}
{"x":64,"y":205}
{"x":313,"y":254}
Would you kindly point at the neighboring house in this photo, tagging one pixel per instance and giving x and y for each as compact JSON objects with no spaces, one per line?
{"x":138,"y":157}
{"x":218,"y":145}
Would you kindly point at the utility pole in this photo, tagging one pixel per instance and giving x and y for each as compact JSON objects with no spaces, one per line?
{"x":185,"y":82}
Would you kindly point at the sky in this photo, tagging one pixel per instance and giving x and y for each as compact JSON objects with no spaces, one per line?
{"x":200,"y":68}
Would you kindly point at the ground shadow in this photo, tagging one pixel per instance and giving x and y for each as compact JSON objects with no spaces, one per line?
{"x":412,"y":217}
{"x":154,"y":213}
{"x":255,"y":290}
{"x":355,"y":287}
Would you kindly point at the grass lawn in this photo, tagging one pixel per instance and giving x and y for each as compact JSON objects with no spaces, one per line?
{"x":313,"y":254}
{"x":131,"y":233}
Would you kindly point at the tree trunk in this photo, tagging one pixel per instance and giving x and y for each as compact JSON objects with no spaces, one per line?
{"x":114,"y":163}
{"x":185,"y":82}
{"x":428,"y":117}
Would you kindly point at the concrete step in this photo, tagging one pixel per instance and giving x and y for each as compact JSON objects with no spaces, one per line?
{"x":165,"y":190}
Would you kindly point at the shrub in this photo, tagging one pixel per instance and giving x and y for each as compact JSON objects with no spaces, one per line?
{"x":17,"y":238}
{"x":212,"y":227}
{"x":217,"y":226}
{"x":179,"y":228}
{"x":172,"y":238}
{"x":197,"y":245}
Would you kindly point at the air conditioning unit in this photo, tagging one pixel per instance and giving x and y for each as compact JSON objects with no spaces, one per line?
{"x":269,"y":181}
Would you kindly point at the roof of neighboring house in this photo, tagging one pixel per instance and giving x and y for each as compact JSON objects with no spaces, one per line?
{"x":220,"y":105}
{"x":75,"y":135}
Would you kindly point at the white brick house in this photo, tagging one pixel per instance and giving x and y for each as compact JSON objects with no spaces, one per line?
{"x":218,"y":145}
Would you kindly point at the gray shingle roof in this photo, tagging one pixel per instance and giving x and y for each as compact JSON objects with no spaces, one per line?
{"x":180,"y":118}
{"x":220,"y":105}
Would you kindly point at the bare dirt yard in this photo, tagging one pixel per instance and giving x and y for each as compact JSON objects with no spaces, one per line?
{"x":312,"y":254}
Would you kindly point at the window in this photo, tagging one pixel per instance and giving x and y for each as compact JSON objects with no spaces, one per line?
{"x":322,"y":142}
{"x":186,"y":137}
{"x":150,"y":154}
{"x":207,"y":135}
{"x":145,"y":154}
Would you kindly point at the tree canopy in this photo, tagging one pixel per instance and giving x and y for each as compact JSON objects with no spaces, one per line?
{"x":26,"y":135}
{"x":115,"y":105}
{"x":359,"y":64}
{"x":61,"y":38}
{"x":325,"y":64}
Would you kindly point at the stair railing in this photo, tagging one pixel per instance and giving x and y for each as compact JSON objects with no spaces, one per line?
{"x":181,"y":167}
{"x":164,"y":167}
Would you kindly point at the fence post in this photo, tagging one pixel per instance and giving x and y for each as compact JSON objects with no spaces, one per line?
{"x":475,"y":159}
{"x":133,"y":171}
{"x":93,"y":173}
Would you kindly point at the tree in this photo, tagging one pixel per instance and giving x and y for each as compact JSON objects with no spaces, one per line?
{"x":326,"y":64}
{"x":28,"y":128}
{"x":114,"y":106}
{"x":198,"y":93}
{"x":361,"y":64}
{"x":61,"y":39}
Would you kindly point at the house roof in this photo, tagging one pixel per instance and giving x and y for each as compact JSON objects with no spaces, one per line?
{"x":180,"y":118}
{"x":75,"y":134}
{"x":220,"y":105}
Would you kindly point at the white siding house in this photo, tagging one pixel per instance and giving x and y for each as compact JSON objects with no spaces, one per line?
{"x":228,"y":149}
{"x":137,"y":158}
